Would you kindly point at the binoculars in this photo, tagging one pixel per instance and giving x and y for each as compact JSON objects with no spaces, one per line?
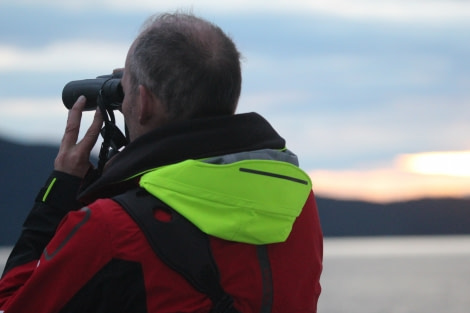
{"x":107,"y":88}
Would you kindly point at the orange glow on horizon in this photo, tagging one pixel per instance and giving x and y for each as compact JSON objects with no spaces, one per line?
{"x":448,"y":163}
{"x":410,"y":176}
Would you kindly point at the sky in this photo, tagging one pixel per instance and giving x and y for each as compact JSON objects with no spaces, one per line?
{"x":373,"y":96}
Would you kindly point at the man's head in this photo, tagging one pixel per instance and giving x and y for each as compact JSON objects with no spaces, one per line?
{"x":185,"y":67}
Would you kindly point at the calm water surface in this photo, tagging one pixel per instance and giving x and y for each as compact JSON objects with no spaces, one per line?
{"x":396,"y":275}
{"x":391,"y":275}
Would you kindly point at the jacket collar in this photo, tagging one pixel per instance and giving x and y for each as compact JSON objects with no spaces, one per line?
{"x":192,"y":139}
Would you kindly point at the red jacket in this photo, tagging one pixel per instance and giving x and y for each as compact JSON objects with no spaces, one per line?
{"x":98,"y":259}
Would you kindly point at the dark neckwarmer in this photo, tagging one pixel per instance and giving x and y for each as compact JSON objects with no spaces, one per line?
{"x":192,"y":139}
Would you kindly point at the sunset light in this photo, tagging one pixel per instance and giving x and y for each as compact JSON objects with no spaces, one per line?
{"x":407,"y":177}
{"x":448,"y":163}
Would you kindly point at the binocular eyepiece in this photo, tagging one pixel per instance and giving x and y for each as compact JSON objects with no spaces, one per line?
{"x":106,"y":87}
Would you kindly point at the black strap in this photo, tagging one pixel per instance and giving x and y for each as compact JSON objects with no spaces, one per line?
{"x":180,"y":245}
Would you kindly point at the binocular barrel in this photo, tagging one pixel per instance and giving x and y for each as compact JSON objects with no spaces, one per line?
{"x":108,"y":87}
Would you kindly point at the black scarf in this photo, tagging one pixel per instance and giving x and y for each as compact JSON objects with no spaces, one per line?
{"x":176,"y":142}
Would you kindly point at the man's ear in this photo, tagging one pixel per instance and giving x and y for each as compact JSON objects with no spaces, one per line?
{"x":146,"y":104}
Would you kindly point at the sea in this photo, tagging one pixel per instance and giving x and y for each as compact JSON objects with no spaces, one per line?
{"x":396,"y":275}
{"x":391,"y":274}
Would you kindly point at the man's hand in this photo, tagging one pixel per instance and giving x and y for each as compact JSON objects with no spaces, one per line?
{"x":74,"y":158}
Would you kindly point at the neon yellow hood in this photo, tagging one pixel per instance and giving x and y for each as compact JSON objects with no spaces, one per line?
{"x":250,"y":201}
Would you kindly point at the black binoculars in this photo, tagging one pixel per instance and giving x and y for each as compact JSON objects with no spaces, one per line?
{"x":107,"y":88}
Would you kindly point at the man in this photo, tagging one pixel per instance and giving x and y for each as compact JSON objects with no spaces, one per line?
{"x":228,"y":174}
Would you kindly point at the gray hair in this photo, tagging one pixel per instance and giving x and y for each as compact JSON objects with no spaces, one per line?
{"x":189,"y":64}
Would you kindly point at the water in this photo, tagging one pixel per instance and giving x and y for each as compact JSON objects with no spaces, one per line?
{"x":4,"y":253}
{"x":391,"y":275}
{"x":396,"y":275}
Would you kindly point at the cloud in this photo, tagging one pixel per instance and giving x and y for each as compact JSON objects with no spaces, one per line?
{"x":30,"y":120}
{"x":394,"y":10}
{"x":64,"y":56}
{"x":347,"y":135}
{"x":36,"y":120}
{"x":399,"y":10}
{"x":271,"y":100}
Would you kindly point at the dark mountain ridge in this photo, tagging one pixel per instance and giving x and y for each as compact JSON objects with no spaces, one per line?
{"x":24,"y":169}
{"x":440,"y":216}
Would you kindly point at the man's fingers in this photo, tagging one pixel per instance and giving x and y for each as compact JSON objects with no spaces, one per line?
{"x":73,"y":158}
{"x":73,"y":123}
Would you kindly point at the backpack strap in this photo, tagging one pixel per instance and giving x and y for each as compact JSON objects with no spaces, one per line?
{"x":179,"y":244}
